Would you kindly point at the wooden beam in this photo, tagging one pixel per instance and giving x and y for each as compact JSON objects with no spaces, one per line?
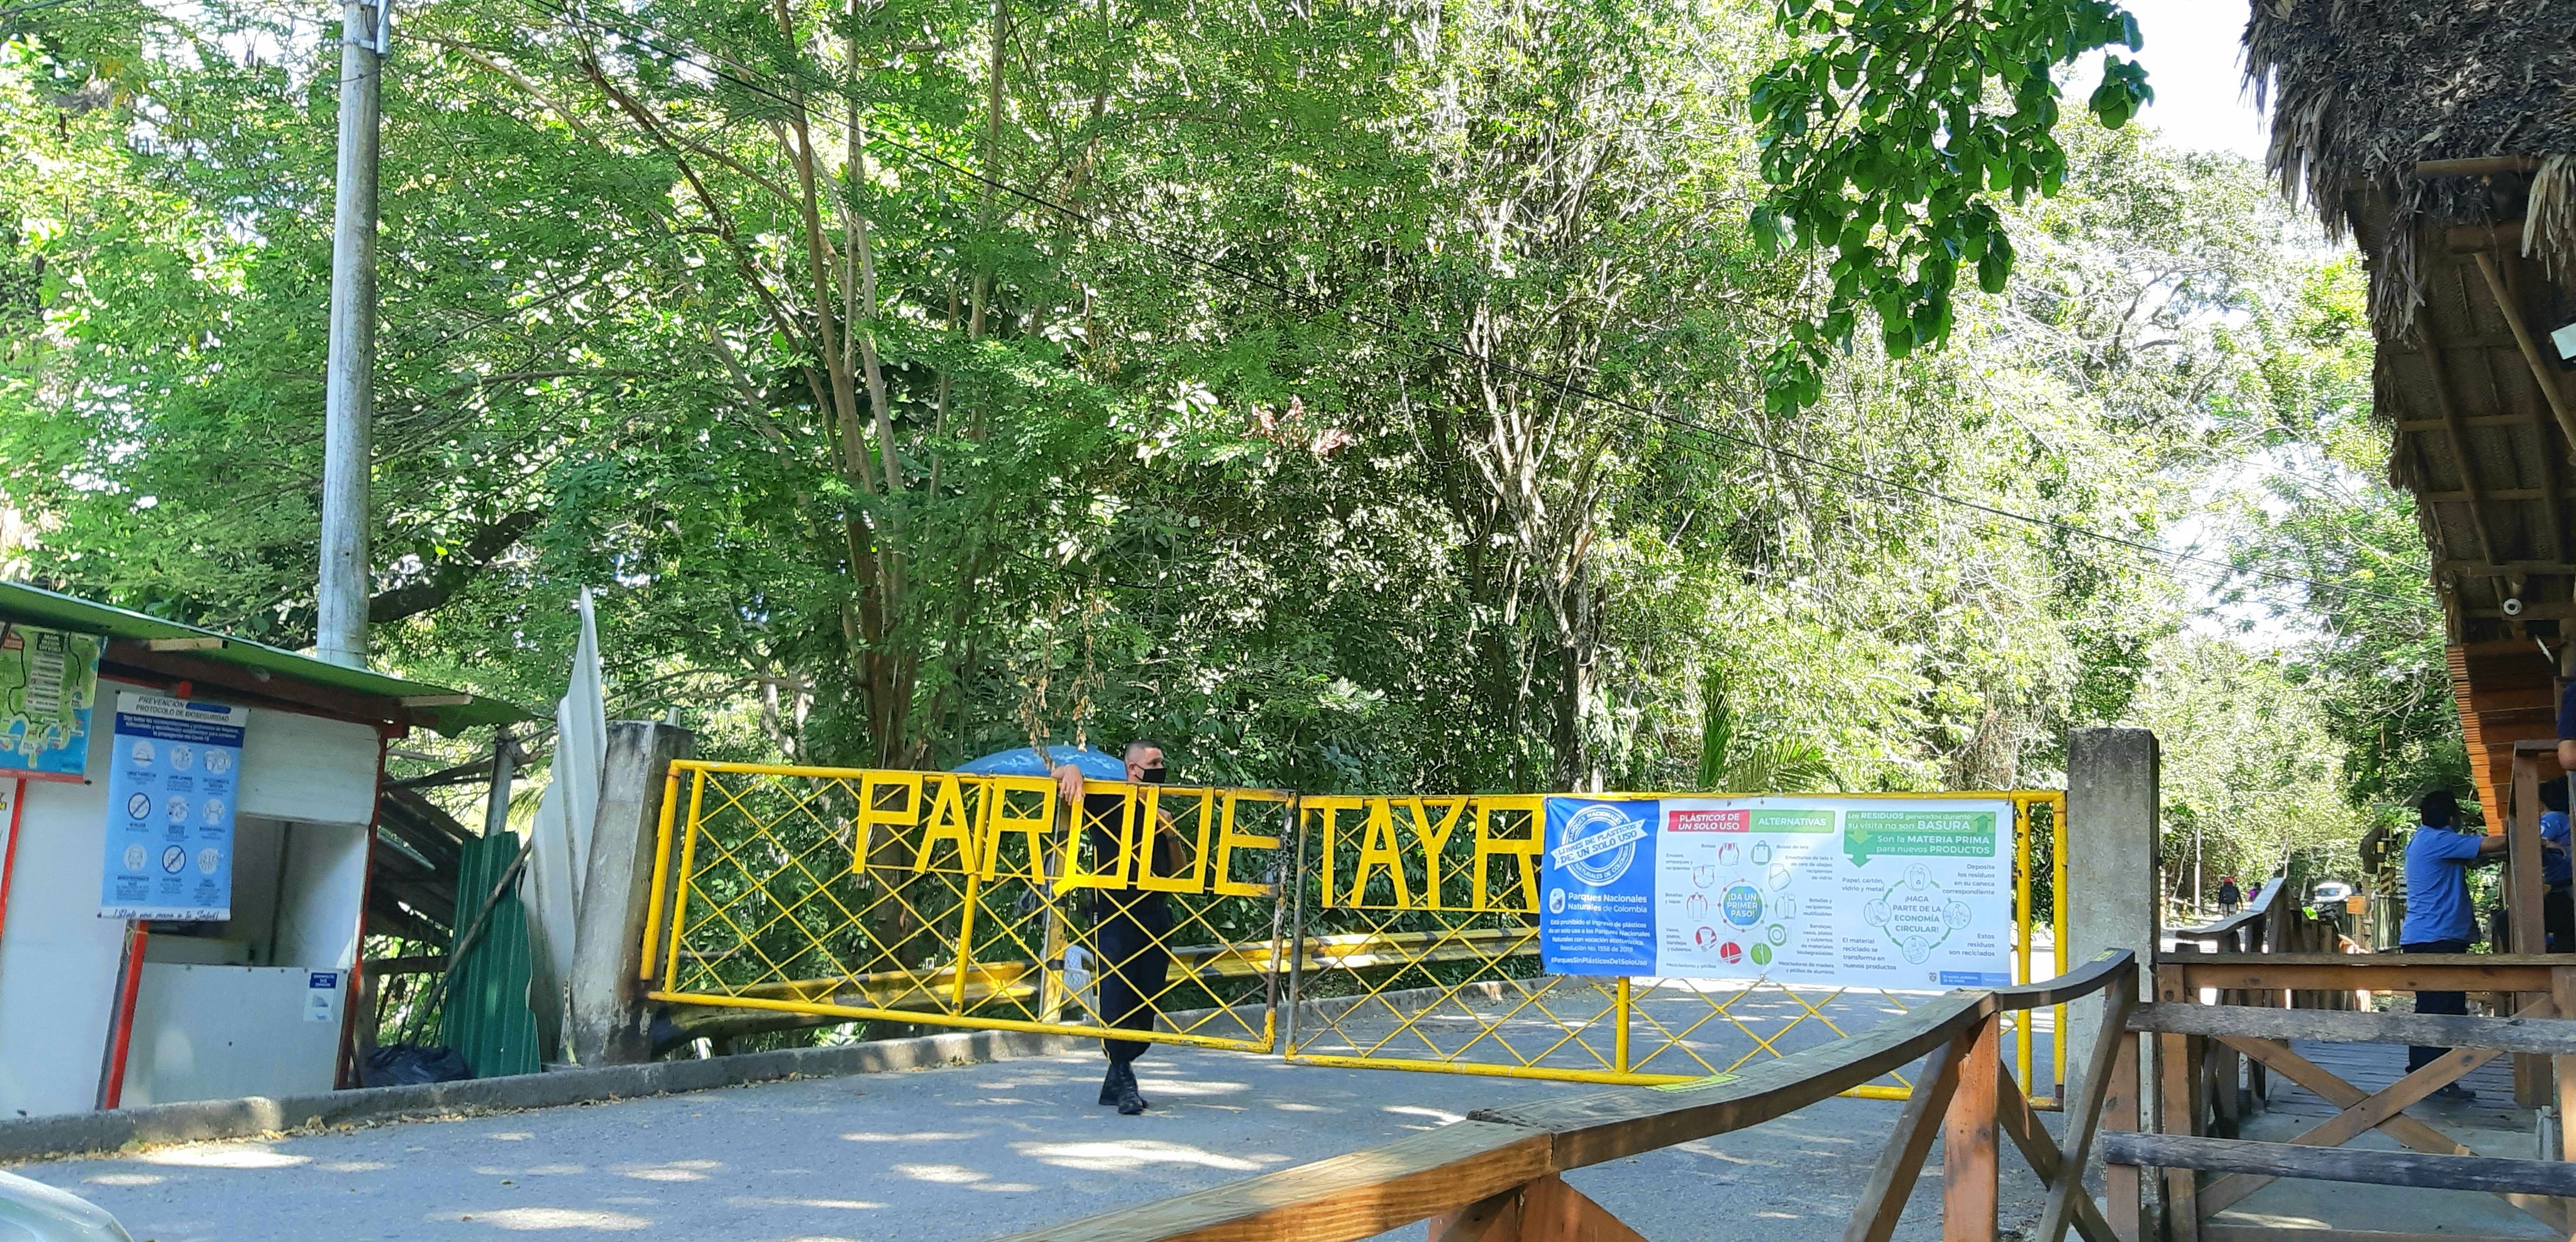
{"x":2534,"y":1034}
{"x":2494,"y":493}
{"x":2122,"y":1198}
{"x":1342,"y":1199}
{"x":184,"y":644}
{"x":2458,"y":436}
{"x":2022,"y":1124}
{"x":1626,"y":1121}
{"x":2477,"y":166}
{"x":2277,"y":1233}
{"x":1496,"y":1218}
{"x":2177,"y":1107}
{"x":283,"y":690}
{"x":2363,"y":1116}
{"x":1552,"y":1211}
{"x":1970,"y":1189}
{"x":2541,"y":373}
{"x":2341,"y":1164}
{"x":2369,"y":972}
{"x":1891,"y":1183}
{"x":2399,"y":1126}
{"x":2505,"y":235}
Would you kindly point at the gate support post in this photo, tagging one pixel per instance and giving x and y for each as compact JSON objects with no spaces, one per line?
{"x":2114,"y":872}
{"x":609,"y":1013}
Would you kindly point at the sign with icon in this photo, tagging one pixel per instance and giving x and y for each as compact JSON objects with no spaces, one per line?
{"x":173,"y":775}
{"x":1847,"y":892}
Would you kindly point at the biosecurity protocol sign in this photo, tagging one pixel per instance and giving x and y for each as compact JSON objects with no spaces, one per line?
{"x":1848,"y":892}
{"x":171,"y":783}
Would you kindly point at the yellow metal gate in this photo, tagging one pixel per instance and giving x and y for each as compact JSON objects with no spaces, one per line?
{"x":965,"y":901}
{"x":971,"y":901}
{"x":1418,"y":921}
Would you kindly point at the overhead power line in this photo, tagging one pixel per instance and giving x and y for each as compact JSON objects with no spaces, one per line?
{"x":1562,"y":383}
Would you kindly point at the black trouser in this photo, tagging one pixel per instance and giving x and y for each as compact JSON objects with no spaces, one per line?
{"x":2558,"y":918}
{"x":1133,"y":967}
{"x":2453,"y":1003}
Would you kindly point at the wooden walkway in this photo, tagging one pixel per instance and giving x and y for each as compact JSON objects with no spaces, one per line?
{"x":2491,"y":1125}
{"x":2373,"y":1067}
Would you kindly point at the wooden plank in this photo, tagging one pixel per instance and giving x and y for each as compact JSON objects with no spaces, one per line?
{"x":2543,"y":371}
{"x":1882,"y":1201}
{"x":1970,"y":1187}
{"x":1625,"y":1121}
{"x":2178,"y":1106}
{"x":2522,"y":883}
{"x":2371,"y":972}
{"x":2021,"y":1123}
{"x":2068,"y":1197}
{"x":2215,"y":1232}
{"x":2122,"y":1197}
{"x":2093,"y":976}
{"x":2342,"y":1164}
{"x":1343,"y":1199}
{"x":2544,"y":1035}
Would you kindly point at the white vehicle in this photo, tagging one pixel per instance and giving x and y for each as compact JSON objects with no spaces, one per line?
{"x":31,"y":1211}
{"x":2331,"y":892}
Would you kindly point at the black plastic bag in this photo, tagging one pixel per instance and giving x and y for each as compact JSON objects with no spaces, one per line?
{"x":405,"y":1065}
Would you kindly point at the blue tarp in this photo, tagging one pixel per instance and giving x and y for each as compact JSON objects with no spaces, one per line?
{"x":1024,"y":761}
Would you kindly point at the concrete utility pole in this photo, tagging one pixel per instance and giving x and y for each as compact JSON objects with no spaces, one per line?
{"x":348,"y":432}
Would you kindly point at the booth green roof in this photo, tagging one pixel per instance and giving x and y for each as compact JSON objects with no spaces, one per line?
{"x":434,"y":707}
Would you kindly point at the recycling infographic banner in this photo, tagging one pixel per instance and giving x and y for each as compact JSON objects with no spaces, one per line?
{"x":1846,"y":892}
{"x":172,"y":778}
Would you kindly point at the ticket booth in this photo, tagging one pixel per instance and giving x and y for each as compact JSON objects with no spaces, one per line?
{"x":184,"y":878}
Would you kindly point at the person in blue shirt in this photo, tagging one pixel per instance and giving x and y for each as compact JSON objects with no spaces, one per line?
{"x":2557,"y":913}
{"x":2438,"y":918}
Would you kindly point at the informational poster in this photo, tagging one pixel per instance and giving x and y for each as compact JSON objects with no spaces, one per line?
{"x":48,"y":682}
{"x":1597,"y":887}
{"x":174,"y":768}
{"x":1844,"y":892}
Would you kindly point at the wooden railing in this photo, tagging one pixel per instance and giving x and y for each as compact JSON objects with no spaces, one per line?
{"x":1497,"y":1176}
{"x":2196,"y":1135}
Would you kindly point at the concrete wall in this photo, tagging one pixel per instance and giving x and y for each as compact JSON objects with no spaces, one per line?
{"x":313,"y":781}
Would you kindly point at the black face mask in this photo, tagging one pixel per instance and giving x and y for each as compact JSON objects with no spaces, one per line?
{"x":1150,"y":776}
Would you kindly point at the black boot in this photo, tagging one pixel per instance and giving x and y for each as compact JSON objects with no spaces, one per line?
{"x":1109,"y":1086}
{"x":1130,"y":1101}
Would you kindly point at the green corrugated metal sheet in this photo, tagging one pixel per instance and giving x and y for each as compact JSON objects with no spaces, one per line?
{"x":37,"y":606}
{"x":487,"y":1016}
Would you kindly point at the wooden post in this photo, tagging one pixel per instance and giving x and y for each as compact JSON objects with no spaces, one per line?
{"x":2530,"y":1077}
{"x":2179,"y":1111}
{"x":2563,"y":994}
{"x":1968,"y":1166}
{"x":2120,"y":1112}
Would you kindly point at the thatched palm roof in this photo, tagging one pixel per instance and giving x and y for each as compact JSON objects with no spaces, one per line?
{"x":2364,"y":92}
{"x":2441,"y":138}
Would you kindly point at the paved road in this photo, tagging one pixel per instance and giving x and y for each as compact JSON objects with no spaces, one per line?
{"x":959,"y":1153}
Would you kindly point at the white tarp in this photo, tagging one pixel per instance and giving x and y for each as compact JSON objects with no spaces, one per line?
{"x":561,"y":835}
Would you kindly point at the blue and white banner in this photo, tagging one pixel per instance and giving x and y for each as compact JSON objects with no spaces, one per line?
{"x":1844,"y":892}
{"x":1598,"y":888}
{"x":172,"y":780}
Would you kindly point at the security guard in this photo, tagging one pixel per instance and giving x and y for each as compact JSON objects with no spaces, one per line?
{"x":1129,"y":925}
{"x":2438,"y":918}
